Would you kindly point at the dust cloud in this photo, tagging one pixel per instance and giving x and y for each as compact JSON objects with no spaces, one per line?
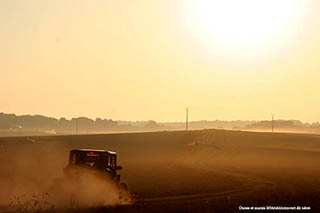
{"x":31,"y":173}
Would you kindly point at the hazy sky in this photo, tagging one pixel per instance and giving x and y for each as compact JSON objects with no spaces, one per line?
{"x":144,"y":59}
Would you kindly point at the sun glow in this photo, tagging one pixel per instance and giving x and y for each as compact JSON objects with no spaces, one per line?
{"x":250,"y":24}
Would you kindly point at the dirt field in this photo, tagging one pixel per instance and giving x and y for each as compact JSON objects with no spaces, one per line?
{"x":207,"y":171}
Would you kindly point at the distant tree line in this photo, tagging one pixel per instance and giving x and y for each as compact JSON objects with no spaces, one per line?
{"x":284,"y":124}
{"x":39,"y":123}
{"x":42,"y":124}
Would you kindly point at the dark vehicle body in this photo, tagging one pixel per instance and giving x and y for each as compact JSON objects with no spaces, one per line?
{"x":100,"y":163}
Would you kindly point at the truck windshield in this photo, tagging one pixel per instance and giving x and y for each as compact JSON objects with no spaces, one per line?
{"x":100,"y":160}
{"x":90,"y":159}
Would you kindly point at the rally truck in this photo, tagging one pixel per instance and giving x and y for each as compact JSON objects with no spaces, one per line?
{"x":88,"y":167}
{"x":102,"y":163}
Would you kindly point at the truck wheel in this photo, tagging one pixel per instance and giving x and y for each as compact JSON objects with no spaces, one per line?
{"x":123,"y":187}
{"x":124,"y":194}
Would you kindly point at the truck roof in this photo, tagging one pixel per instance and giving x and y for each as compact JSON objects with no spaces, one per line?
{"x":93,"y":150}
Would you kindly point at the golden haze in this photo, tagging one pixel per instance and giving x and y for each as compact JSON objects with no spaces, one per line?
{"x":138,"y":60}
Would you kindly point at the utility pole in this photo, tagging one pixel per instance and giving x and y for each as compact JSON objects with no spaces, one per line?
{"x":77,"y":126}
{"x":272,"y":123}
{"x":187,"y":121}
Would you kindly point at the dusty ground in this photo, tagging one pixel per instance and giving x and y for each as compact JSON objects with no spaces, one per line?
{"x":207,"y":171}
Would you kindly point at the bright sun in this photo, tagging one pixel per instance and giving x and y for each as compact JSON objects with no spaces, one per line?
{"x":250,"y":24}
